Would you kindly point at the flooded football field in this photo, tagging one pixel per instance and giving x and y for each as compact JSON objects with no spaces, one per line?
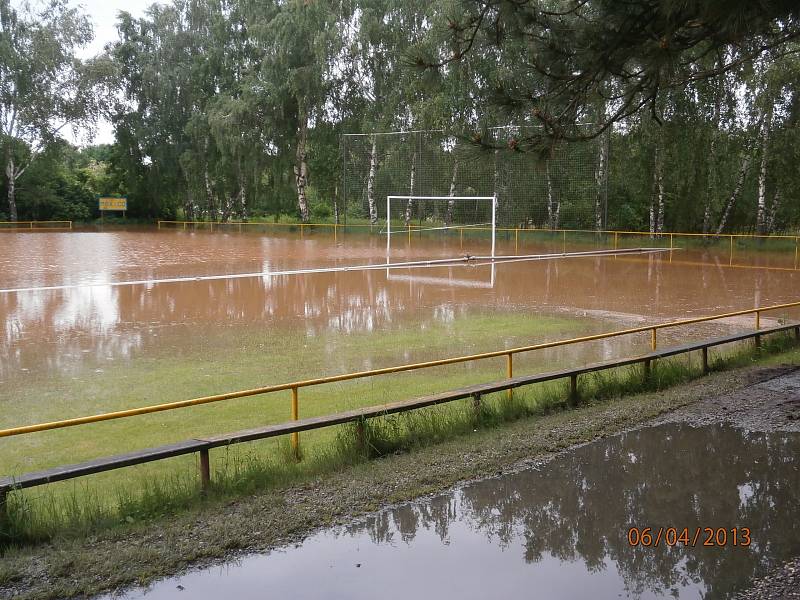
{"x":556,"y":530}
{"x":52,"y":331}
{"x":90,"y":346}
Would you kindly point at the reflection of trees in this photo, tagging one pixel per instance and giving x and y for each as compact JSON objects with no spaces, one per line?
{"x":83,"y":325}
{"x":581,"y":505}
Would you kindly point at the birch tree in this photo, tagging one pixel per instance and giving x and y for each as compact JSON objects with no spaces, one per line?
{"x":44,"y":87}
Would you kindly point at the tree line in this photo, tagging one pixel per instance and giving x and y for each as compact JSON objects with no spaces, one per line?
{"x":234,"y":109}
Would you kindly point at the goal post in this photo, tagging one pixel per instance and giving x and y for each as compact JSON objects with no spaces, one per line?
{"x":492,"y":200}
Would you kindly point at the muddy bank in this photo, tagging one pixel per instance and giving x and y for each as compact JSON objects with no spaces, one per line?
{"x":143,"y":552}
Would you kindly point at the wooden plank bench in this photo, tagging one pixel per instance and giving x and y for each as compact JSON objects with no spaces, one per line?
{"x":203,"y":445}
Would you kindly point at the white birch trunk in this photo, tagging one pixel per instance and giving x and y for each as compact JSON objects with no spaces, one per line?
{"x":301,"y":164}
{"x":448,"y":217}
{"x":11,"y":178}
{"x":735,"y":193}
{"x":553,"y":203}
{"x":657,"y":195}
{"x":711,"y":182}
{"x":373,"y":167}
{"x":410,"y":203}
{"x":336,"y":205}
{"x":773,"y":212}
{"x":601,"y":178}
{"x":761,"y":213}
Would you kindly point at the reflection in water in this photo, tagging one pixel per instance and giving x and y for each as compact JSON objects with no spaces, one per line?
{"x":554,"y":532}
{"x":60,"y":331}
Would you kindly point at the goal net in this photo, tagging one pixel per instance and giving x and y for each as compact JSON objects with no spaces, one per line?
{"x":444,"y":218}
{"x":565,"y":189}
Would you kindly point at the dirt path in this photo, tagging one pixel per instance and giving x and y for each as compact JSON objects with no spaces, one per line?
{"x":760,"y":398}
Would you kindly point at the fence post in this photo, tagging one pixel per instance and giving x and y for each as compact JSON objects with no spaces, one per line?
{"x":361,"y":437}
{"x":653,"y":339}
{"x":510,"y":373}
{"x":295,"y":415}
{"x":205,"y":471}
{"x":516,"y":240}
{"x":573,"y":390}
{"x":460,"y":235}
{"x":647,"y":370}
{"x":705,"y":361}
{"x":758,"y":326}
{"x":476,"y":404}
{"x":4,"y":519}
{"x":730,"y":262}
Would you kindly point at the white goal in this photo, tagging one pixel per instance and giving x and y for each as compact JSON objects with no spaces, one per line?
{"x":443,"y":214}
{"x":407,"y":205}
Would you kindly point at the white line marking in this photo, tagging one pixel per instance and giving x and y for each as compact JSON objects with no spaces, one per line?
{"x":455,"y":261}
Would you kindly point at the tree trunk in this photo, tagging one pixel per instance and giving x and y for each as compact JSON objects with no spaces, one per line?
{"x":553,"y":204}
{"x":761,"y":214}
{"x":373,"y":167}
{"x":11,"y":178}
{"x":657,"y":195}
{"x":189,"y":208}
{"x":601,"y":178}
{"x":448,"y":217}
{"x":301,"y":164}
{"x":773,"y":211}
{"x":735,"y":194}
{"x":711,"y":181}
{"x":336,"y":205}
{"x":243,"y":202}
{"x":410,"y":203}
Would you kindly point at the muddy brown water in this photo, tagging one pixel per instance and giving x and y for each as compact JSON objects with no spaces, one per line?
{"x":558,"y":530}
{"x":61,"y":331}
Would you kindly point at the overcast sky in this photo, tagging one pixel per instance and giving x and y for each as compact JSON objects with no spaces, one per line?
{"x":104,"y":14}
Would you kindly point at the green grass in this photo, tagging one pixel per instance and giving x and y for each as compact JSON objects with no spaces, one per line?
{"x":231,"y":359}
{"x":83,"y":507}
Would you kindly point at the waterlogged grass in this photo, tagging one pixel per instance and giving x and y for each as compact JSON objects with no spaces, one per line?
{"x":229,"y":360}
{"x":81,"y":507}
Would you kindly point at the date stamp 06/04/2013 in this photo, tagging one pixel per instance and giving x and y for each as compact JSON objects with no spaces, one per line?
{"x":689,"y":536}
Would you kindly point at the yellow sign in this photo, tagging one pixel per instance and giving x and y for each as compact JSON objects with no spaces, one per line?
{"x":109,"y":203}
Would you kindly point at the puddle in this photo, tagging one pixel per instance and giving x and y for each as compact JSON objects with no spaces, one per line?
{"x":559,"y":531}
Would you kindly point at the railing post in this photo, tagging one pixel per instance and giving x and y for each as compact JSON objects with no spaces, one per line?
{"x":516,"y":240}
{"x":615,"y":240}
{"x":730,"y":262}
{"x":361,"y":437}
{"x":4,"y":518}
{"x":758,"y":326}
{"x":653,"y":339}
{"x":460,"y":237}
{"x":205,"y":471}
{"x":705,"y":361}
{"x":476,"y":404}
{"x":295,"y":415}
{"x":647,"y":370}
{"x":564,"y":244}
{"x":510,"y":373}
{"x":573,"y":389}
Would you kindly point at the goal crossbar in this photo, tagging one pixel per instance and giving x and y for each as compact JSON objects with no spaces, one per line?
{"x":492,"y":199}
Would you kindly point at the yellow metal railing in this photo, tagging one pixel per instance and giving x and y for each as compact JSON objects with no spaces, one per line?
{"x":28,"y":225}
{"x":518,"y":231}
{"x":295,"y":386}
